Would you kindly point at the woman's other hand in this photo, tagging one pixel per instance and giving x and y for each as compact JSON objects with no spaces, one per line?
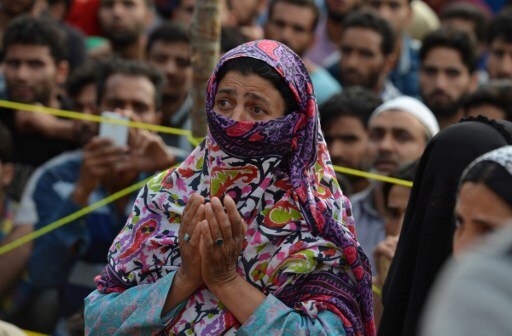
{"x":222,"y":235}
{"x":189,"y":238}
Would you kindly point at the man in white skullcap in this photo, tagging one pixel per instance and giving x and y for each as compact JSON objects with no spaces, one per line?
{"x":399,"y":130}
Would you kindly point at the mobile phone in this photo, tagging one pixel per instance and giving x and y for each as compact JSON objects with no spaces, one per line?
{"x":118,"y":133}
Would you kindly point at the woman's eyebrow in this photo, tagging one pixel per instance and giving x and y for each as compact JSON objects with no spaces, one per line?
{"x":229,"y":92}
{"x":256,"y":96}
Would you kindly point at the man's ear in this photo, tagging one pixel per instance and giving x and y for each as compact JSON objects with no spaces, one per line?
{"x":389,"y":62}
{"x":7,"y":174}
{"x":62,"y":72}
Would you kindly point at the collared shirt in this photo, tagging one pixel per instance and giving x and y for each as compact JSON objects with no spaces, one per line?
{"x":405,"y":74}
{"x":369,"y":224}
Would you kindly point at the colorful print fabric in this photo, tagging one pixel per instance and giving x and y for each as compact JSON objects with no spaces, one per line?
{"x":300,"y":243}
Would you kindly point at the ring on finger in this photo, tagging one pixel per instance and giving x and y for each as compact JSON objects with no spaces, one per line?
{"x":186,"y":237}
{"x":219,"y":242}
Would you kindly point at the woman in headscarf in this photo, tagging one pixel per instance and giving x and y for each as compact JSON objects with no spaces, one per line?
{"x":484,"y":201}
{"x":251,"y":234}
{"x":426,"y":238}
{"x":473,"y":293}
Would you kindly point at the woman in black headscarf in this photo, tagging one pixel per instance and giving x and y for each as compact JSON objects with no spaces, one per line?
{"x":426,"y":238}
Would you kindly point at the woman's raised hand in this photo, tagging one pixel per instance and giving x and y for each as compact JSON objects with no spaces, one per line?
{"x":189,"y":238}
{"x":222,"y":235}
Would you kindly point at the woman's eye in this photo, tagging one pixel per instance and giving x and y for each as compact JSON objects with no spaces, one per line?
{"x":258,"y":110}
{"x":223,"y":103}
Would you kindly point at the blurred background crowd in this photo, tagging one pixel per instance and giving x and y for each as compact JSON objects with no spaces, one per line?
{"x":388,"y":75}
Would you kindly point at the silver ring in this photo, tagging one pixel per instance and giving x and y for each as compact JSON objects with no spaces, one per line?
{"x":186,"y":237}
{"x":219,"y":242}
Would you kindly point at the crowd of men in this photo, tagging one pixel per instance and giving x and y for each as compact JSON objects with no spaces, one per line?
{"x":387,"y":74}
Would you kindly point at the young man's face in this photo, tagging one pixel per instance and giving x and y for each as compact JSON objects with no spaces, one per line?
{"x":123,"y":21}
{"x":31,"y":73}
{"x":499,"y":63}
{"x":133,"y":93}
{"x":291,"y":25}
{"x":444,"y":80}
{"x":173,"y":59}
{"x":347,"y":141}
{"x":362,"y":61}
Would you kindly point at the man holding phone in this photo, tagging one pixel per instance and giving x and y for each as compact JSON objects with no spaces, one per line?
{"x":66,"y":260}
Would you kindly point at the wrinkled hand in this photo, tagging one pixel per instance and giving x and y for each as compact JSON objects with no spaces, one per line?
{"x":383,"y":255}
{"x":222,"y":235}
{"x":193,"y":213}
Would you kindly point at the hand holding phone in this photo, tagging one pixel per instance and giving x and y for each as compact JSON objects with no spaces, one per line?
{"x":117,"y":133}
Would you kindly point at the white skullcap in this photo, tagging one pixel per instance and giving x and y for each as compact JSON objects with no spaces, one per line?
{"x":415,"y":108}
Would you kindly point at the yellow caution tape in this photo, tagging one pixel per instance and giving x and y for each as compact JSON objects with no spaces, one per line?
{"x":372,"y":176}
{"x":65,"y":220}
{"x":377,"y":290}
{"x":157,"y":128}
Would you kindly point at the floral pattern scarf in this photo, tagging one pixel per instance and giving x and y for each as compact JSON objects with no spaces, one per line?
{"x":300,"y":244}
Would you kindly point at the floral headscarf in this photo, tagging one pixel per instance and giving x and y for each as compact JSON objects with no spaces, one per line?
{"x":300,"y":229}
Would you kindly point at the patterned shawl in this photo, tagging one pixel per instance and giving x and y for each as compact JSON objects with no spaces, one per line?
{"x":300,"y":243}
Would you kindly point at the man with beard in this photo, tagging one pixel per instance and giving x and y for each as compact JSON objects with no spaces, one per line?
{"x":367,"y":57}
{"x":398,"y":13}
{"x":64,"y":262}
{"x":398,"y":131}
{"x":168,"y":50}
{"x":34,"y":67}
{"x":499,"y":38}
{"x":447,"y":73}
{"x":344,"y":119}
{"x":293,"y":23}
{"x":325,"y":51}
{"x":124,"y":23}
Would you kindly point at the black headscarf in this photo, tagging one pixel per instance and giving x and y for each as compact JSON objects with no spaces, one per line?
{"x":426,"y":238}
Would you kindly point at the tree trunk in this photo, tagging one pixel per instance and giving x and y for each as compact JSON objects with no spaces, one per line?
{"x":205,"y":53}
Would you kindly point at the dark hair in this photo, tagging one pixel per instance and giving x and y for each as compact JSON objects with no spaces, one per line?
{"x":501,"y":27}
{"x":231,"y":37}
{"x":451,"y":38}
{"x":248,"y":66}
{"x":355,"y":101}
{"x":492,"y":175}
{"x":87,"y":73}
{"x":6,"y":149}
{"x":67,"y":3}
{"x":469,"y":12}
{"x":168,"y":32}
{"x":497,"y":93}
{"x":131,"y":68}
{"x":42,"y":31}
{"x":311,"y":4}
{"x":405,"y":172}
{"x":369,"y":19}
